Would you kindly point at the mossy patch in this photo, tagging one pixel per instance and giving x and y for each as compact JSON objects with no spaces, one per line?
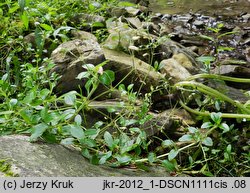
{"x":5,"y":167}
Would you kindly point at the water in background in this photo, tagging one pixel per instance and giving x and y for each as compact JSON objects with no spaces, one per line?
{"x":209,"y":7}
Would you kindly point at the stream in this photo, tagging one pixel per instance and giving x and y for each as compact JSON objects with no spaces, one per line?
{"x":208,"y":7}
{"x":218,"y":28}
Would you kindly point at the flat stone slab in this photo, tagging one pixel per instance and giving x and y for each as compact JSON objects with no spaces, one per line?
{"x":54,"y":160}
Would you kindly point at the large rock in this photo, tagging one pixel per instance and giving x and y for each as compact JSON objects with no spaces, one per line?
{"x":131,"y":70}
{"x":173,"y":70}
{"x":52,"y":160}
{"x":83,"y":35}
{"x":234,"y":71}
{"x":168,"y":47}
{"x":69,"y":58}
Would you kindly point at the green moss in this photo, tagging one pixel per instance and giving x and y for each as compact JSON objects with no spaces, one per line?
{"x":5,"y":167}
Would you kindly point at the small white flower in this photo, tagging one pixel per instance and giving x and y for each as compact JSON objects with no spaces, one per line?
{"x":135,"y":38}
{"x":100,"y":70}
{"x":133,"y":48}
{"x":37,"y":23}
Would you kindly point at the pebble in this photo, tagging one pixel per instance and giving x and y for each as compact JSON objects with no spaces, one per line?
{"x":246,"y":17}
{"x":198,"y":23}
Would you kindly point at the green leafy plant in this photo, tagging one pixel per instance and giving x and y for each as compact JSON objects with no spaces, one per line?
{"x":28,"y":104}
{"x":216,"y":30}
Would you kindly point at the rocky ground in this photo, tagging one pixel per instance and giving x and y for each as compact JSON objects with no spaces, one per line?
{"x":147,"y":49}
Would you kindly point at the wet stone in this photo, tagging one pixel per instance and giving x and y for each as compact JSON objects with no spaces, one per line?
{"x":183,"y":18}
{"x":198,"y":23}
{"x":246,"y":17}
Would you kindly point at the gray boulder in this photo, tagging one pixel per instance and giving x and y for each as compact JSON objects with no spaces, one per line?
{"x":69,"y":58}
{"x":53,"y":160}
{"x":174,"y":70}
{"x":132,"y":70}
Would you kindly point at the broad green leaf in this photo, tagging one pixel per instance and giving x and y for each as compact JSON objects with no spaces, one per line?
{"x":13,"y":8}
{"x":224,"y":127}
{"x":192,"y":129}
{"x":50,"y":116}
{"x":130,"y":122}
{"x":206,"y":125}
{"x":88,"y":142}
{"x":92,"y":133}
{"x":66,"y":129}
{"x":216,"y":117}
{"x":105,"y":157}
{"x":207,"y":173}
{"x":109,"y":139}
{"x":111,"y":109}
{"x":94,"y":160}
{"x":83,"y":75}
{"x":215,"y":151}
{"x":45,"y":115}
{"x":66,"y":28}
{"x":91,"y":7}
{"x":86,"y":154}
{"x":130,"y":87}
{"x":128,"y":146}
{"x":76,"y":131}
{"x":3,"y":120}
{"x":123,"y":159}
{"x":97,"y":24}
{"x":13,"y":102}
{"x":1,"y":12}
{"x":217,"y":105}
{"x":7,"y":112}
{"x":126,"y":4}
{"x":226,"y":156}
{"x":88,"y":66}
{"x":170,"y":167}
{"x":70,"y":98}
{"x":22,"y":4}
{"x":205,"y":59}
{"x":167,"y":143}
{"x":107,"y":77}
{"x":29,"y":97}
{"x":44,"y":93}
{"x":186,"y":138}
{"x":26,"y":115}
{"x":37,"y":131}
{"x":67,"y":141}
{"x":4,"y":77}
{"x":88,"y":85}
{"x":98,"y":124}
{"x":223,"y":48}
{"x":124,"y":138}
{"x":68,"y":113}
{"x":207,"y":38}
{"x":208,"y":141}
{"x":78,"y":119}
{"x":229,"y":148}
{"x":135,"y":129}
{"x":46,"y":27}
{"x":172,"y":154}
{"x":151,"y":157}
{"x":54,"y":118}
{"x":25,"y":20}
{"x":39,"y":40}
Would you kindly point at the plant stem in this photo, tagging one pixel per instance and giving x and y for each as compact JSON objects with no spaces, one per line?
{"x":208,"y":114}
{"x":166,"y":154}
{"x":220,"y":77}
{"x":212,"y":92}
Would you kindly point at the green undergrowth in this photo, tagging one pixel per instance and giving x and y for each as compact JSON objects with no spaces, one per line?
{"x":216,"y":146}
